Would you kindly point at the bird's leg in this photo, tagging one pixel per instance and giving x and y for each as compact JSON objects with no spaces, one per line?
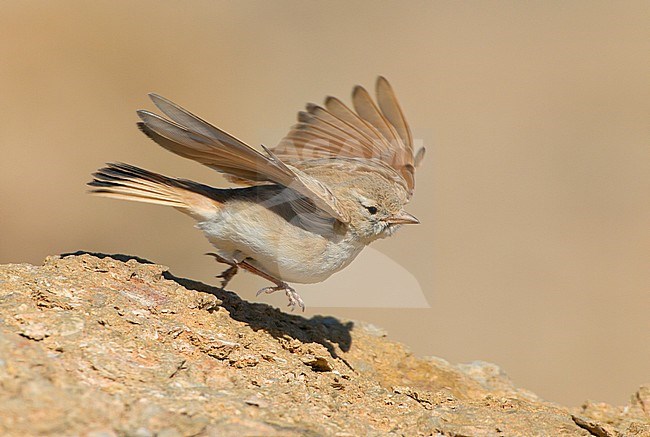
{"x":227,"y":274}
{"x":292,"y":295}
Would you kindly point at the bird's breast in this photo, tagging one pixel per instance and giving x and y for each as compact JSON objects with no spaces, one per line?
{"x":278,"y":247}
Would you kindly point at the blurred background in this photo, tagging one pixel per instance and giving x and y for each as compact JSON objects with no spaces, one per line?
{"x":534,"y":247}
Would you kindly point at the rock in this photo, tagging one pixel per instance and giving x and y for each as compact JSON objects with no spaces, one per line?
{"x":114,"y":346}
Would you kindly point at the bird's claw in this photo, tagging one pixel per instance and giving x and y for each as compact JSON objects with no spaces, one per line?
{"x":292,"y":295}
{"x":227,"y":275}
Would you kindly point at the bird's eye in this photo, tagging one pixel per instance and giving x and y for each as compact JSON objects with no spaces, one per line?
{"x":371,"y":209}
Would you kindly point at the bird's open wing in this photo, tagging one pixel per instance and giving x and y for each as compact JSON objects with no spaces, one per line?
{"x":376,"y":132}
{"x":191,"y":137}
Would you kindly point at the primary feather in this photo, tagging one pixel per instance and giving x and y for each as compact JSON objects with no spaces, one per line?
{"x":375,"y":133}
{"x":200,"y":141}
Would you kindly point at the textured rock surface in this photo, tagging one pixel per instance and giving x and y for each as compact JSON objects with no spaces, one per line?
{"x":109,"y":346}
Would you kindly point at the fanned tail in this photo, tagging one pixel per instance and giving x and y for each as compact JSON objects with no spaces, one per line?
{"x":124,"y":181}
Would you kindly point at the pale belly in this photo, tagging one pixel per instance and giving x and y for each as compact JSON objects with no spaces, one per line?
{"x":280,"y":249}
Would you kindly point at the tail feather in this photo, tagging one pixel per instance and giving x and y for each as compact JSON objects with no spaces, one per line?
{"x":124,"y":181}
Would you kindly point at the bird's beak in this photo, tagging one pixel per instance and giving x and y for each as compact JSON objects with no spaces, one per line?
{"x":402,"y":218}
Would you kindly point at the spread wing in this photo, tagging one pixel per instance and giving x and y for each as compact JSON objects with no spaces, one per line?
{"x":191,"y":137}
{"x":373,"y":131}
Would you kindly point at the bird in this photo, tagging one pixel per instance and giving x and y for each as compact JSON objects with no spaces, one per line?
{"x":300,"y":211}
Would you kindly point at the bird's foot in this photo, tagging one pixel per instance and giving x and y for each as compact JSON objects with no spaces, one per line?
{"x":292,"y":295}
{"x":227,"y":275}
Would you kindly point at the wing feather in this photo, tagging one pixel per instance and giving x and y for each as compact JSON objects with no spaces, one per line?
{"x":340,"y":110}
{"x":392,"y":110}
{"x":378,"y":132}
{"x":193,"y":138}
{"x":194,"y":123}
{"x":368,"y":111}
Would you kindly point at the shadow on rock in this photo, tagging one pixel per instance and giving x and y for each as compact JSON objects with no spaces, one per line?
{"x":116,"y":256}
{"x":327,"y":331}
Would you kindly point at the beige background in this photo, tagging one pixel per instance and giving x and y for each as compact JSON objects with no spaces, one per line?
{"x":534,"y":245}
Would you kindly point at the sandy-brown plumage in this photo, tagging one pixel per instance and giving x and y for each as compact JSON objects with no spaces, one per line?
{"x":337,"y":181}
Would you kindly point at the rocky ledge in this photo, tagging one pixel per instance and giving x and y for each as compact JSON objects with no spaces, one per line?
{"x":109,"y":345}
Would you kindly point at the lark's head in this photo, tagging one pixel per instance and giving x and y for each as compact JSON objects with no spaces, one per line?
{"x":375,"y":204}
